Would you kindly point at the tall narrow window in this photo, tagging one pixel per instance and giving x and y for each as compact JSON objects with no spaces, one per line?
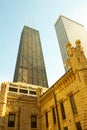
{"x":66,"y":128}
{"x":54,"y":115}
{"x":62,"y":110}
{"x":46,"y":116}
{"x":73,"y":104}
{"x":33,"y":121}
{"x":11,"y":120}
{"x":78,"y":126}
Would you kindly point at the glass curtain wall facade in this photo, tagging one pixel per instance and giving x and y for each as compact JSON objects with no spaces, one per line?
{"x":68,"y":30}
{"x":30,"y":67}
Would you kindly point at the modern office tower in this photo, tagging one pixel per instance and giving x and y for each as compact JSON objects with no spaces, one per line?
{"x":68,"y":30}
{"x":30,"y":67}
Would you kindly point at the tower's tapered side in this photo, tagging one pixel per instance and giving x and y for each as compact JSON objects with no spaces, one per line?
{"x":68,"y":30}
{"x":30,"y":67}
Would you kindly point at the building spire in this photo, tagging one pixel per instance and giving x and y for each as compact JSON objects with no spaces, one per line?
{"x":26,"y":20}
{"x":33,"y":23}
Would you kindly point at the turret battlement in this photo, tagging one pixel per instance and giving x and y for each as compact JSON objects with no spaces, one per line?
{"x":77,"y":58}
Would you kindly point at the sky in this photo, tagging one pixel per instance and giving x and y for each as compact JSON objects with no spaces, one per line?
{"x":40,"y":15}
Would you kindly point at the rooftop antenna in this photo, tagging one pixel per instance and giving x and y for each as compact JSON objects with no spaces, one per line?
{"x":26,"y":20}
{"x":33,"y":23}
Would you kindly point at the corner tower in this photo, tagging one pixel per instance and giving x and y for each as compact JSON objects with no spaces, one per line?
{"x":77,"y":59}
{"x":30,"y":67}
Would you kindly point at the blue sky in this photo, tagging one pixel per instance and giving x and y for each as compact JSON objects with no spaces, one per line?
{"x":41,"y":15}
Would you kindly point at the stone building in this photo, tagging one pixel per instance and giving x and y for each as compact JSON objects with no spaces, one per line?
{"x":61,"y":107}
{"x":64,"y":105}
{"x":19,"y":108}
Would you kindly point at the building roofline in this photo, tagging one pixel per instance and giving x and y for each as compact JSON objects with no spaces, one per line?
{"x":68,"y":19}
{"x":53,"y":86}
{"x":25,"y":26}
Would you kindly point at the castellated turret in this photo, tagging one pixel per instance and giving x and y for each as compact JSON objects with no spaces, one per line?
{"x":77,"y":59}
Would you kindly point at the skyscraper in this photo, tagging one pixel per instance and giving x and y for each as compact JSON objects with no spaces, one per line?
{"x":68,"y":30}
{"x":30,"y":67}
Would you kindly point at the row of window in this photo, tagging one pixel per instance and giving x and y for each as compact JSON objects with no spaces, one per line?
{"x":54,"y":117}
{"x":24,"y":91}
{"x":73,"y":105}
{"x":78,"y":126}
{"x":74,"y":109}
{"x":12,"y":118}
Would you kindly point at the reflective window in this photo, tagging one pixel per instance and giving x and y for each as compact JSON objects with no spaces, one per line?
{"x":13,"y":89}
{"x":54,"y":115}
{"x":66,"y":128}
{"x":73,"y":104}
{"x":11,"y":120}
{"x":33,"y":121}
{"x":62,"y":110}
{"x":46,"y":117}
{"x":78,"y":126}
{"x":23,"y":91}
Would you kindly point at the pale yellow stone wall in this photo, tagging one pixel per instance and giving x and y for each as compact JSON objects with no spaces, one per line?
{"x":68,"y":84}
{"x":24,"y":108}
{"x":73,"y":82}
{"x":23,"y":105}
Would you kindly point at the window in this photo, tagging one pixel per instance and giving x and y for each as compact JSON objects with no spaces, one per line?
{"x":73,"y":104}
{"x":62,"y":110}
{"x":66,"y":128}
{"x":46,"y":116}
{"x":13,"y":89}
{"x":54,"y":115}
{"x":33,"y":121}
{"x":78,"y":126}
{"x":23,"y":91}
{"x":32,"y":92}
{"x":11,"y":120}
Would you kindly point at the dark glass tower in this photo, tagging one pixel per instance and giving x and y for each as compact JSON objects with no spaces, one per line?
{"x":30,"y":67}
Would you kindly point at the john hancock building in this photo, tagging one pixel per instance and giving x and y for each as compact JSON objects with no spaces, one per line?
{"x":30,"y":67}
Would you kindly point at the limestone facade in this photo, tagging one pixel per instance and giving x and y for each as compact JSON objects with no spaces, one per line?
{"x":61,"y":107}
{"x":19,"y":106}
{"x":68,"y":96}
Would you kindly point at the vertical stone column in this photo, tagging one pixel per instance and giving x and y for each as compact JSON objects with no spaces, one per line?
{"x":3,"y":101}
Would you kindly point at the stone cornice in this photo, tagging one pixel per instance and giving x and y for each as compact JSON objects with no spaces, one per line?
{"x":60,"y":85}
{"x":65,"y":80}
